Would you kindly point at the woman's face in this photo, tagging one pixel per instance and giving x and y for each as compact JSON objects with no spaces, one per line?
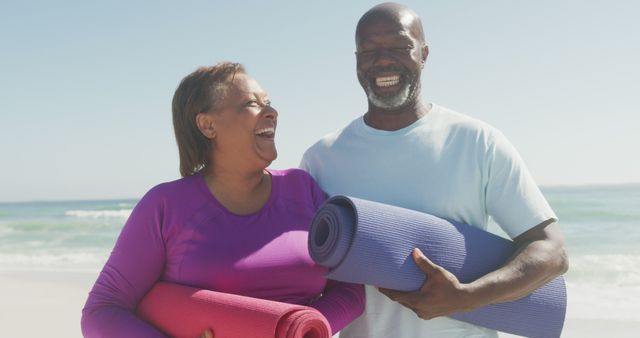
{"x":245,"y":125}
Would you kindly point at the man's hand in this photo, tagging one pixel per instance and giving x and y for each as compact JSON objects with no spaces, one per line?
{"x":440,"y":295}
{"x":539,"y":257}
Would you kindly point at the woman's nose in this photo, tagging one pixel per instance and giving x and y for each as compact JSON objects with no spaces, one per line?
{"x":270,"y":112}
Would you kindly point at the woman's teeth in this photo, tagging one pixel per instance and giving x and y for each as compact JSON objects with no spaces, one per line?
{"x":267,"y":132}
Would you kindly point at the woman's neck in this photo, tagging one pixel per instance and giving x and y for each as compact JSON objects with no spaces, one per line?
{"x":239,"y":192}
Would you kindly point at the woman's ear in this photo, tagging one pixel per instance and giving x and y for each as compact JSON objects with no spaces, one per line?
{"x":206,"y":124}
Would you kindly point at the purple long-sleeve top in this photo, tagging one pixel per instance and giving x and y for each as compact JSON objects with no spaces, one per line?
{"x":179,"y":232}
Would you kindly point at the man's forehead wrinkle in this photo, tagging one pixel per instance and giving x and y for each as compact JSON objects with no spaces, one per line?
{"x":371,"y":36}
{"x":400,"y":19}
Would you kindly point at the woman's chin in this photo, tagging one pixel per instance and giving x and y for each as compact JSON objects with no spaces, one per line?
{"x":268,"y":156}
{"x":273,"y":158}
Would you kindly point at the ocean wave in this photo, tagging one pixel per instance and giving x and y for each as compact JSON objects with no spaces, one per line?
{"x":603,"y":302}
{"x":124,"y":213}
{"x":605,"y":286}
{"x":605,"y":270}
{"x":39,"y":261}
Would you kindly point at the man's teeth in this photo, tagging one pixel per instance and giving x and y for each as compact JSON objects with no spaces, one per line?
{"x":266,"y":131}
{"x":387,"y":81}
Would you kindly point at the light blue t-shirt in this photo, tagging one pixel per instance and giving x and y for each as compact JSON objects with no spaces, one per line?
{"x":445,"y":164}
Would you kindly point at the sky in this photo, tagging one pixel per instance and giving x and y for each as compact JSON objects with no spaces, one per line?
{"x":86,"y":87}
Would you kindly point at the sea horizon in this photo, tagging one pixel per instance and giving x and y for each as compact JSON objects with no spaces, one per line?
{"x":106,"y":199}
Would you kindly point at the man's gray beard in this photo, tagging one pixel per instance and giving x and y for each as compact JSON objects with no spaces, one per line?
{"x":390,"y":102}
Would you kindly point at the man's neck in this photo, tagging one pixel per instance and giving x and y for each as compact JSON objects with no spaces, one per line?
{"x":391,"y":120}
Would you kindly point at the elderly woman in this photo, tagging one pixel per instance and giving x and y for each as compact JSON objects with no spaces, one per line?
{"x":229,"y":225}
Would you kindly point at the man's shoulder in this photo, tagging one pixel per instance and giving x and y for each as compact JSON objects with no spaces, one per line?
{"x":328,"y":141}
{"x":460,"y":122}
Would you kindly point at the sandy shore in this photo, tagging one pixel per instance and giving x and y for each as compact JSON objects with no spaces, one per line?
{"x":42,"y":304}
{"x":592,"y":328}
{"x":48,"y":304}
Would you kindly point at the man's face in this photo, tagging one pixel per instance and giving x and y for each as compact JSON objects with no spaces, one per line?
{"x":389,"y":62}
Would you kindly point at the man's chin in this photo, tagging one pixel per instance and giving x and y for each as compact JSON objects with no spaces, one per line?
{"x":389,"y":102}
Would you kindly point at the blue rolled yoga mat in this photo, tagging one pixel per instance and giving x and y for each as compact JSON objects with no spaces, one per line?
{"x":367,"y":242}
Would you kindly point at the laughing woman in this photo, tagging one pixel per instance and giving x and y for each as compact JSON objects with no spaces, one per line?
{"x":229,"y":225}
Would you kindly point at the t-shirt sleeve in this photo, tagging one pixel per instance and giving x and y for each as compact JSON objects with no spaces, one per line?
{"x":135,"y":264}
{"x":317,"y":194}
{"x":341,"y":303}
{"x":513,"y":199}
{"x":304,"y":163}
{"x":307,"y":162}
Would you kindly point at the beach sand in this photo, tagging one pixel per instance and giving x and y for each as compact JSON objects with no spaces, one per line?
{"x":592,"y":328}
{"x":48,"y":304}
{"x":42,"y":304}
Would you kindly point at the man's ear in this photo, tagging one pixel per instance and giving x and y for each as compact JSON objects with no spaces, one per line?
{"x":425,"y":53}
{"x":206,"y":125}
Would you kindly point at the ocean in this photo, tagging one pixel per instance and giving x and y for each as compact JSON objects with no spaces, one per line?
{"x":601,"y":225}
{"x":60,"y":236}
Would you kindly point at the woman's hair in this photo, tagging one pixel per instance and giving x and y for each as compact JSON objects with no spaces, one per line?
{"x":199,"y":92}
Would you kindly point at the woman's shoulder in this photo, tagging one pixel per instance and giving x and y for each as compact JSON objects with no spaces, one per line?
{"x":296,"y":185}
{"x":182,"y":188}
{"x":173,"y":199}
{"x":292,"y":176}
{"x":290,"y":173}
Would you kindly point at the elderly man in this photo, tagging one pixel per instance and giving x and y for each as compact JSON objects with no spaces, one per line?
{"x":407,"y":152}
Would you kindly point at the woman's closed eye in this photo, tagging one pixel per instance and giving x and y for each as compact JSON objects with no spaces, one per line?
{"x":252,"y":103}
{"x":258,"y":103}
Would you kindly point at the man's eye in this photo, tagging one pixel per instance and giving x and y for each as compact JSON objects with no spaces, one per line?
{"x":401,"y":49}
{"x":251,"y":103}
{"x":267,"y":103}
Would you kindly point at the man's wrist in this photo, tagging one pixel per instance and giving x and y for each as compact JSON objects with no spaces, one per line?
{"x":473,"y":296}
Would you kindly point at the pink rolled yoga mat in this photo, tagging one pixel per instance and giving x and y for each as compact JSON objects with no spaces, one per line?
{"x":182,"y":311}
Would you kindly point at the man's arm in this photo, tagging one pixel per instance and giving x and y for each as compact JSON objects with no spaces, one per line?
{"x":539,"y":257}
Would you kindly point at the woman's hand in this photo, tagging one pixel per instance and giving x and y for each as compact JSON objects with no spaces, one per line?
{"x":207,"y":334}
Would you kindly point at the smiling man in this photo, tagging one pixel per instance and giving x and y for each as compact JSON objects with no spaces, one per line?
{"x":422,"y":156}
{"x":391,"y":53}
